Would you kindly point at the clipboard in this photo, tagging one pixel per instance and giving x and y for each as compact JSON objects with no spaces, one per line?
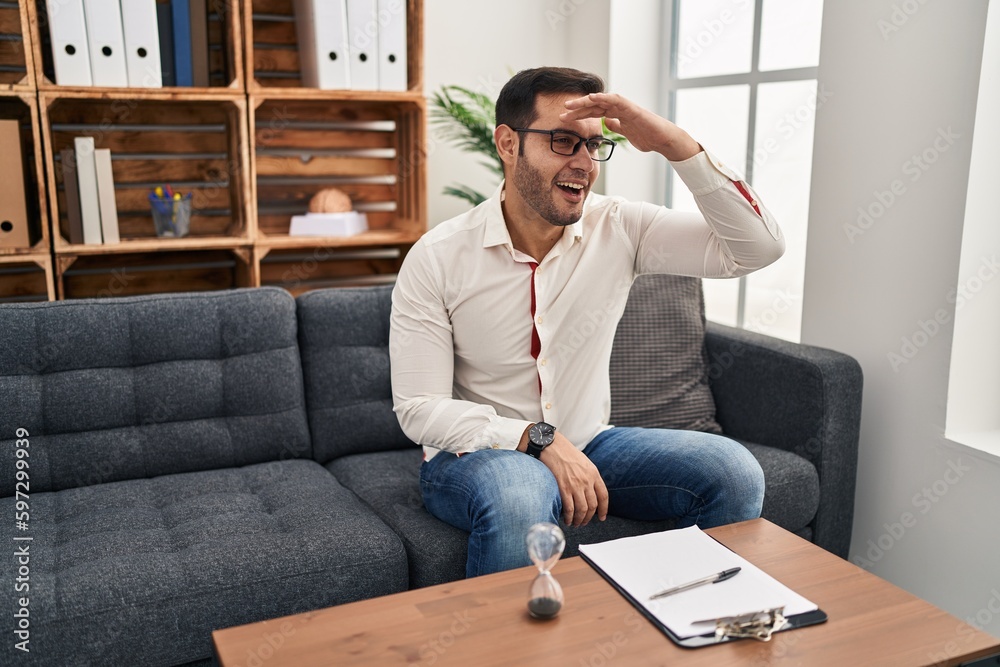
{"x":758,"y":623}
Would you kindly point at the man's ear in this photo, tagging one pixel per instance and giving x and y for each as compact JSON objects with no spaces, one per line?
{"x":506,"y":140}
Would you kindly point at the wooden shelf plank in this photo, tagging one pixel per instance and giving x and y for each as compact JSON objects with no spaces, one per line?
{"x":154,"y":245}
{"x":370,"y":238}
{"x":414,"y":96}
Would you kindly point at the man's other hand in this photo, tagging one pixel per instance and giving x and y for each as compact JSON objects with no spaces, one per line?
{"x":580,"y":485}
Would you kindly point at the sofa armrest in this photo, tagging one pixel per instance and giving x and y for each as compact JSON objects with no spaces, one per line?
{"x":799,"y":398}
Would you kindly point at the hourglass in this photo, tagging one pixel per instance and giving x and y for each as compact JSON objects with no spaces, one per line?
{"x":545,"y":543}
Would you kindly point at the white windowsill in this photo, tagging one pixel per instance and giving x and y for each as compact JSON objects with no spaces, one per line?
{"x":985,"y":444}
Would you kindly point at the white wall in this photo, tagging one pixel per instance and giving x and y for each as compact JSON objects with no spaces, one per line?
{"x":926,"y":516}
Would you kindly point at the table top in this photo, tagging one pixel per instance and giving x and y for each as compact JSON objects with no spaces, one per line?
{"x":484,"y":621}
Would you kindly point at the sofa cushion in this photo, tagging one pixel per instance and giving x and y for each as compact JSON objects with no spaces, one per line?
{"x":791,"y":487}
{"x":130,"y":388}
{"x":140,"y":572}
{"x":389,"y":482}
{"x":659,"y":365}
{"x":344,"y":338}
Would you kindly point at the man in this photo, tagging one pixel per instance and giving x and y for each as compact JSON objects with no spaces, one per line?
{"x":514,"y":424}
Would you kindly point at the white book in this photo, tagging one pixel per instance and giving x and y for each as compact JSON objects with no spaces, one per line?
{"x":321,"y":27}
{"x":392,"y":45}
{"x":107,"y":43}
{"x":106,"y":195}
{"x":142,"y":43}
{"x":329,"y":224}
{"x":362,"y":40}
{"x":86,"y":176}
{"x":70,"y":52}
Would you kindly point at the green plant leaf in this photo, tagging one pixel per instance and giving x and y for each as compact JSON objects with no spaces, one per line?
{"x":465,"y":192}
{"x":466,"y":119}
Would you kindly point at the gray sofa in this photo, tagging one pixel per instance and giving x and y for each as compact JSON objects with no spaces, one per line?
{"x":198,"y":461}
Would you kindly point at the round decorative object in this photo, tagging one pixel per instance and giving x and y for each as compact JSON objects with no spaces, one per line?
{"x":330,"y":200}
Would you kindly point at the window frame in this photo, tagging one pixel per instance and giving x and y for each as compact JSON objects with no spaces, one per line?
{"x":754,"y":78}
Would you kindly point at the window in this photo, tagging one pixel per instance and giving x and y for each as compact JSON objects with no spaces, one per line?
{"x":974,"y":380}
{"x":742,"y":78}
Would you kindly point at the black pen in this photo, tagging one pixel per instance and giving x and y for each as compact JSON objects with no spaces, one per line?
{"x":710,"y":579}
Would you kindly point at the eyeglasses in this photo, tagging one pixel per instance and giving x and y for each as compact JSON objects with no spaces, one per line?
{"x":564,"y":142}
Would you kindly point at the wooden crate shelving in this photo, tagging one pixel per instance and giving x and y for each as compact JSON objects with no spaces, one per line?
{"x":225,"y":44}
{"x":17,"y":70}
{"x":370,"y":144}
{"x":254,"y":147}
{"x":272,"y":56}
{"x":368,"y":149}
{"x":128,"y":274}
{"x":23,"y":107}
{"x":302,"y":269}
{"x":26,"y":278}
{"x":198,"y":143}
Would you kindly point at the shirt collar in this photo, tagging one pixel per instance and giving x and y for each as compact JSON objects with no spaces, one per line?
{"x":496,"y":227}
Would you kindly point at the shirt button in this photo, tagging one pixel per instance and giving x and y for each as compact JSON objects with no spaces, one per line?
{"x":538,"y":319}
{"x":495,"y":445}
{"x":543,"y":361}
{"x":548,"y":406}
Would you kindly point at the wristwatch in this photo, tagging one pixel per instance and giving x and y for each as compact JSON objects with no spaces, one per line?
{"x":540,"y":436}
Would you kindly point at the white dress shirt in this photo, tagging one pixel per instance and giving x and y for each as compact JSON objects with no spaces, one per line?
{"x":467,"y":305}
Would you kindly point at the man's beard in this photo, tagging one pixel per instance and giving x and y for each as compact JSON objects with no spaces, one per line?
{"x":537,"y":193}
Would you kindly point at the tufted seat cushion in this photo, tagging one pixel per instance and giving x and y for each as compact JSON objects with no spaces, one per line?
{"x":140,"y":572}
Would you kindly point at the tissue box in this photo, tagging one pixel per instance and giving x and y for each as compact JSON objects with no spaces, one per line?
{"x":329,"y":224}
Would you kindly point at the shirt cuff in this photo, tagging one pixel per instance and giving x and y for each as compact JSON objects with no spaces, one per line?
{"x":704,"y":173}
{"x":504,"y":433}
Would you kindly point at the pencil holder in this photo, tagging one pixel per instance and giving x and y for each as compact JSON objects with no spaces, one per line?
{"x":172,"y":217}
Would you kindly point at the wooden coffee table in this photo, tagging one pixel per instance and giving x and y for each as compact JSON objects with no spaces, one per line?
{"x":484,"y":621}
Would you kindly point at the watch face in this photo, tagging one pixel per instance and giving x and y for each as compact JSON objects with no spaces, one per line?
{"x":542,"y":434}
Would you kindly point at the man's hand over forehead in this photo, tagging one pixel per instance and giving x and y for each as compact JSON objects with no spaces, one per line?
{"x":644,"y":129}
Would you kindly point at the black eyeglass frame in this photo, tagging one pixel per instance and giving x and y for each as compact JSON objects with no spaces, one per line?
{"x":601,"y":141}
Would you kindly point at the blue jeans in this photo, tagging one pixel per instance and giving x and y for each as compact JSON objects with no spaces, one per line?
{"x":651,"y":474}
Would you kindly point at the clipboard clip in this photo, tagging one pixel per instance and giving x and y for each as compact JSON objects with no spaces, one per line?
{"x":759,"y":625}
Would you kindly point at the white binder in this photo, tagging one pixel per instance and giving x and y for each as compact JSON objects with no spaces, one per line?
{"x":142,"y":44}
{"x":392,"y":45}
{"x":362,"y":41}
{"x":70,"y":53}
{"x":321,"y":27}
{"x":106,"y":195}
{"x":86,"y":175}
{"x":107,"y":43}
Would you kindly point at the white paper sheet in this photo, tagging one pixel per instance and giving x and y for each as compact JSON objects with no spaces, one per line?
{"x":647,"y":564}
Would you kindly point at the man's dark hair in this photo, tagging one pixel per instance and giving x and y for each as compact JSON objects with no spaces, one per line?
{"x":516,"y":103}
